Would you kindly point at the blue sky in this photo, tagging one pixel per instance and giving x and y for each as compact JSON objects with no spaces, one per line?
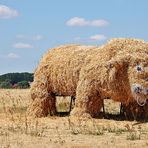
{"x":28,"y":28}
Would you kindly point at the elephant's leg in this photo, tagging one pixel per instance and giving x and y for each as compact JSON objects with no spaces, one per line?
{"x":94,"y":105}
{"x":133,"y":111}
{"x":129,"y":111}
{"x":43,"y":101}
{"x":88,"y":101}
{"x":52,"y":105}
{"x":42,"y":107}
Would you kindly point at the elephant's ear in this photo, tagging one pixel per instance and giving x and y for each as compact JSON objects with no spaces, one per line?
{"x":118,"y":62}
{"x":118,"y":76}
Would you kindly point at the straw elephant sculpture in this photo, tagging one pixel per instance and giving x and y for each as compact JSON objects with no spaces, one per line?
{"x":117,"y":70}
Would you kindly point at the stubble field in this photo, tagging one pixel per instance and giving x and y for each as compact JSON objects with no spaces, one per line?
{"x":19,"y":131}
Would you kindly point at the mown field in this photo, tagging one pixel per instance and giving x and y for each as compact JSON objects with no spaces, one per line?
{"x":19,"y":131}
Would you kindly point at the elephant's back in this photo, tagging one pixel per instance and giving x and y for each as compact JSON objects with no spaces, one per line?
{"x":62,"y":66}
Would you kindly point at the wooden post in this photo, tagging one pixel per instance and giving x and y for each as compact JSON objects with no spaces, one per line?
{"x":103,"y":109}
{"x":121,"y":109}
{"x":72,"y":100}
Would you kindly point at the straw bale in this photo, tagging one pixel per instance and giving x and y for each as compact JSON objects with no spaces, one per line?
{"x":91,"y":73}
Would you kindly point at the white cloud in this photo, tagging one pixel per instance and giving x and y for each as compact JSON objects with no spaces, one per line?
{"x":22,"y":45}
{"x":99,"y":23}
{"x":35,"y":38}
{"x":6,"y":12}
{"x":77,"y":21}
{"x":12,"y":56}
{"x":38,"y":37}
{"x":98,"y":37}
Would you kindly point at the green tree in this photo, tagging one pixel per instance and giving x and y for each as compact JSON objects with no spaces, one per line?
{"x":6,"y":84}
{"x":17,"y":77}
{"x":23,"y":84}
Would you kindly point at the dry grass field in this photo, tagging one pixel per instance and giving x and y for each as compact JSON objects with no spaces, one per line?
{"x":19,"y":131}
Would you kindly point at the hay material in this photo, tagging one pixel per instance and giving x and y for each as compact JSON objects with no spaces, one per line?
{"x":90,"y":73}
{"x":135,"y":112}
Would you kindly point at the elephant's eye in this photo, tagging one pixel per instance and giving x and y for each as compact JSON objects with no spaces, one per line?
{"x":138,"y":68}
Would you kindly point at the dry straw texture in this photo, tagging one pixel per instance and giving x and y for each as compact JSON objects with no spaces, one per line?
{"x":91,"y":73}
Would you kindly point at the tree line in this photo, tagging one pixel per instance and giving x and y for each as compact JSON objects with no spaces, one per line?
{"x":16,"y":80}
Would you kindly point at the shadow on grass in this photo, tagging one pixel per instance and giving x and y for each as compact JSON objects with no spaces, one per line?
{"x":108,"y":116}
{"x":121,"y":117}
